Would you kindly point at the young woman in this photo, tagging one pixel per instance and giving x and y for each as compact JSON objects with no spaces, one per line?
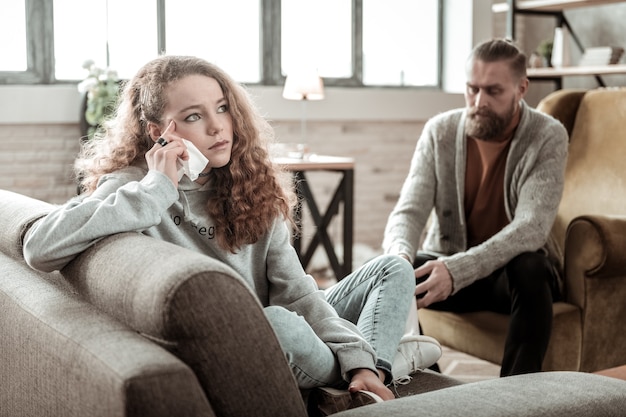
{"x":176,"y":107}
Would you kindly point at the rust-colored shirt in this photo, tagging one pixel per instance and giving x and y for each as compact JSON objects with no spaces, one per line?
{"x":485,"y":214}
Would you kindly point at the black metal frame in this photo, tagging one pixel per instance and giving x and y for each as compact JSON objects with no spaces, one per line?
{"x":344,"y":193}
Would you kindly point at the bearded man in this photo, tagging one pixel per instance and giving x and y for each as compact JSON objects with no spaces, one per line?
{"x":491,"y":174}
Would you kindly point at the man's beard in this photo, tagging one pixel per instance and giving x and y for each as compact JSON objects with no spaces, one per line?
{"x":490,"y":126}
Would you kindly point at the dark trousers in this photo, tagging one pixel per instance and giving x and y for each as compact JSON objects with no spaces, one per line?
{"x":525,"y":289}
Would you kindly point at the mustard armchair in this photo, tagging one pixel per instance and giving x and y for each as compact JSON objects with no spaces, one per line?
{"x":590,"y":232}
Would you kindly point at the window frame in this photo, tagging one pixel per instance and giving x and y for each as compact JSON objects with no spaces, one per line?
{"x":40,"y":46}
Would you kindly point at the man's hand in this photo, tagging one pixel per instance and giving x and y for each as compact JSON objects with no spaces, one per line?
{"x":365,"y":379}
{"x":437,"y":287}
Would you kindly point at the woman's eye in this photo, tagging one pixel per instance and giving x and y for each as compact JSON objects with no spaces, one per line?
{"x":223,"y":108}
{"x":192,"y":117}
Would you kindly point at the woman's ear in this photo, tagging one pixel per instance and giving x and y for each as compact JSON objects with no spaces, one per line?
{"x":154,"y":130}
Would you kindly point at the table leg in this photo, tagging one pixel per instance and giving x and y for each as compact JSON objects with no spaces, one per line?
{"x":344,"y":193}
{"x":348,"y":221}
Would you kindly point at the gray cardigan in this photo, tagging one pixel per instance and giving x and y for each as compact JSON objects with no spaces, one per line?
{"x":533,"y":186}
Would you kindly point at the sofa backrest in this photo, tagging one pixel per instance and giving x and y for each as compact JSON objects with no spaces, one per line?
{"x":595,"y":174}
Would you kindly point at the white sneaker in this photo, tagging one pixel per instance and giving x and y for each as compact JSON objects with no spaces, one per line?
{"x":415,"y":352}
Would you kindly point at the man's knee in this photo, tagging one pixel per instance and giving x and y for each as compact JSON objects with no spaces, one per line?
{"x":530,"y":271}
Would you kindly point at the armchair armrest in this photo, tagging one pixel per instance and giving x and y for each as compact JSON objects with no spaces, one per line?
{"x":595,"y":281}
{"x":200,"y":310}
{"x":603,"y":238}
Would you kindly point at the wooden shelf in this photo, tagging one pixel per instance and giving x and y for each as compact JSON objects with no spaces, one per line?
{"x":551,"y":5}
{"x":549,"y":73}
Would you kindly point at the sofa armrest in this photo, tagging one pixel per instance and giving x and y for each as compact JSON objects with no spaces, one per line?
{"x":19,"y":212}
{"x":595,"y":273}
{"x":63,"y":357}
{"x":199,"y":309}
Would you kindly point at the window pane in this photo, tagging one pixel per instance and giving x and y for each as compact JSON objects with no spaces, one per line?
{"x":317,"y":34}
{"x":83,"y":30}
{"x":133,"y":38}
{"x":226,"y":33}
{"x":400,"y":42}
{"x":13,"y":35}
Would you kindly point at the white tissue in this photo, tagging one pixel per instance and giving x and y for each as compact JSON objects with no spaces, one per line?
{"x":194,"y":165}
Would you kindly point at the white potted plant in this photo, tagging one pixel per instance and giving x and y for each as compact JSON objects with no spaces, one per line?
{"x":100,"y":91}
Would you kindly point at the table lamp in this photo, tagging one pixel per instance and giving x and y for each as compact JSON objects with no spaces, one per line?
{"x":303,"y":86}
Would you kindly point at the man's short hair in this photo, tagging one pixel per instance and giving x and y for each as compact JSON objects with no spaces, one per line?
{"x":501,"y":49}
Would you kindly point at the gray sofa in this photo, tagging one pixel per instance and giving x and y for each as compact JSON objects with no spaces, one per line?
{"x":139,"y":327}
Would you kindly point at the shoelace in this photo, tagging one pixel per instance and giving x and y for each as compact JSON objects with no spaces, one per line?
{"x":402,"y":380}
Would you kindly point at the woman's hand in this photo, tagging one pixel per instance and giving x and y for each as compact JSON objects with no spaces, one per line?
{"x":163,"y":156}
{"x":365,"y":379}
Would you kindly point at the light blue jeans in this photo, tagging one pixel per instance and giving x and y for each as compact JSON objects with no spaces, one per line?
{"x":376,"y":298}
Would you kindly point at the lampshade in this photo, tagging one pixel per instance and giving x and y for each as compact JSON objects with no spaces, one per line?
{"x":304,"y":86}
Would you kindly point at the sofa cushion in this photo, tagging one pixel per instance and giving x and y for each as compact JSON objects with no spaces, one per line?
{"x":483,"y":333}
{"x":545,"y":394}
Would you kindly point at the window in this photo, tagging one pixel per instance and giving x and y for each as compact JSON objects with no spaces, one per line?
{"x":349,"y":42}
{"x":311,"y":37}
{"x":13,"y":27}
{"x":199,"y":28}
{"x":120,"y":34}
{"x":400,"y":42}
{"x":26,"y":42}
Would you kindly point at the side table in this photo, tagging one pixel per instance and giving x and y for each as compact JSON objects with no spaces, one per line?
{"x":344,"y":193}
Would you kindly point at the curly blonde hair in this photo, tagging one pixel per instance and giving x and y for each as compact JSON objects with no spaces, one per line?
{"x":251,"y":192}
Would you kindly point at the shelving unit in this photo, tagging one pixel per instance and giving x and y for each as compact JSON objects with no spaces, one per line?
{"x":555,"y":9}
{"x":556,"y":74}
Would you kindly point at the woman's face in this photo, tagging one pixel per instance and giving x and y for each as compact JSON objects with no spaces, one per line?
{"x":201,"y":115}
